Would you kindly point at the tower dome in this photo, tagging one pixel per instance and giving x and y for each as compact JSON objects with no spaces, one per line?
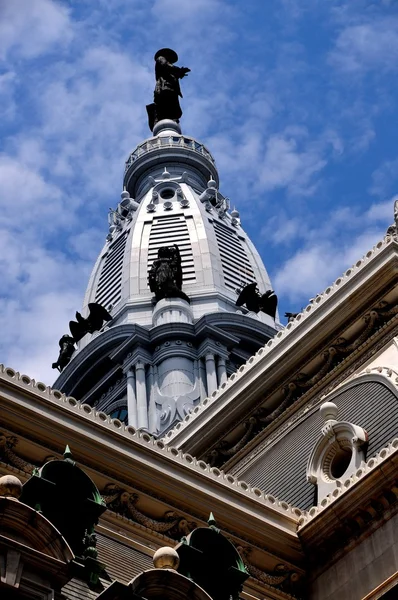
{"x":162,"y":354}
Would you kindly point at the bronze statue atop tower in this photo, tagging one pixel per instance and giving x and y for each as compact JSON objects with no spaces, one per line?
{"x":166,"y":104}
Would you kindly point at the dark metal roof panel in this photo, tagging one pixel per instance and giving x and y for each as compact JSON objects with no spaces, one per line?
{"x":122,"y":562}
{"x":281,"y":469}
{"x":76,"y":589}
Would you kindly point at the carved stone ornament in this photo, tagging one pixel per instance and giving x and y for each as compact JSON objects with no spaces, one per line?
{"x":124,"y":503}
{"x":292,"y":390}
{"x":338,"y":453}
{"x":8,"y":456}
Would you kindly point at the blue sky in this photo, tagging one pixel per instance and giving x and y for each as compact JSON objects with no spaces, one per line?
{"x":296,"y":99}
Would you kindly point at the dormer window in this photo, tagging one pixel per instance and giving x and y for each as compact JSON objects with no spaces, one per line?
{"x":337,"y":453}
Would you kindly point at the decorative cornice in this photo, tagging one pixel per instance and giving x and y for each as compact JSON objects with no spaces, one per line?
{"x":60,"y":402}
{"x":321,"y":305}
{"x":388,"y":453}
{"x":292,"y":390}
{"x":340,"y":375}
{"x":123,"y":502}
{"x":281,"y":574}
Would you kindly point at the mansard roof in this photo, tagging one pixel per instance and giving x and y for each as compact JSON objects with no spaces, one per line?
{"x":307,"y":357}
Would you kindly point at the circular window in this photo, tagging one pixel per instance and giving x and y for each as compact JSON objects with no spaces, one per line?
{"x":167,"y":194}
{"x":340,"y":463}
{"x":337,"y":461}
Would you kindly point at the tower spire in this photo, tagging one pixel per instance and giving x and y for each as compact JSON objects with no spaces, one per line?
{"x":168,"y":273}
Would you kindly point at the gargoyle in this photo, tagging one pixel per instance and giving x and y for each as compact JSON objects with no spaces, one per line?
{"x":290,"y":316}
{"x":255,"y":301}
{"x":67,"y":348}
{"x":97,"y":315}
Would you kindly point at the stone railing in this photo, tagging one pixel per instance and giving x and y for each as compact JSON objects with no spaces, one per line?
{"x":169,"y":141}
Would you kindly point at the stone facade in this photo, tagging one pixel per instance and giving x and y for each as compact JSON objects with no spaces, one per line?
{"x":159,"y":360}
{"x":181,"y":410}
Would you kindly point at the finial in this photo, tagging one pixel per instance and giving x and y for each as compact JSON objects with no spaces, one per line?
{"x":211,"y":520}
{"x":68,"y":453}
{"x":235,"y":214}
{"x":10,"y":486}
{"x":329,"y":411}
{"x":166,"y":558}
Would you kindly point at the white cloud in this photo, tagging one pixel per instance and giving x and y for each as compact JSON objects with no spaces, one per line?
{"x":30,"y":28}
{"x":371,"y":45}
{"x":331,"y":247}
{"x":314,"y":267}
{"x":287,"y":165}
{"x":27,"y":199}
{"x":32,"y":331}
{"x":41,"y":290}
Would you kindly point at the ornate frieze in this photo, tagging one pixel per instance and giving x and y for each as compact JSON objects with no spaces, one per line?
{"x":125,"y":503}
{"x":7,"y":454}
{"x":341,"y":348}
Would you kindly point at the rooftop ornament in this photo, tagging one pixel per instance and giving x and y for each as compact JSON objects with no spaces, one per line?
{"x":167,"y":92}
{"x":67,"y":348}
{"x":95,"y":320}
{"x":212,"y":562}
{"x":70,"y":500}
{"x":165,"y":276}
{"x":255,"y":301}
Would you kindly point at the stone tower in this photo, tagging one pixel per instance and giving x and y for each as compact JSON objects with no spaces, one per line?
{"x":155,"y":361}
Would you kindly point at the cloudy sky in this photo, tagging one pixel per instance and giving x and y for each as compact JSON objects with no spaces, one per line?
{"x":296,"y":99}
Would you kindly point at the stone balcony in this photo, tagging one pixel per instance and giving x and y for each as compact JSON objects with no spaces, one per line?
{"x":170,"y":142}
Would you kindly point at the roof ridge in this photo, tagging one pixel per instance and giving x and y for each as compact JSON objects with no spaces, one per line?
{"x":145,"y":439}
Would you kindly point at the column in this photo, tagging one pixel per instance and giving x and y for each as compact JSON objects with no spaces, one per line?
{"x":211,"y":375}
{"x":152,"y":418}
{"x":131,"y":399}
{"x":221,"y":370}
{"x":142,"y":409}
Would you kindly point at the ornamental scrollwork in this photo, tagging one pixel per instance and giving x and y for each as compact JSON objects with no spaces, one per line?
{"x":124,"y":503}
{"x":281,"y":577}
{"x":7,"y":455}
{"x":291,"y":391}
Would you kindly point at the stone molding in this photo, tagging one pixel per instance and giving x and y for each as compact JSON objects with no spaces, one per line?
{"x":340,"y":376}
{"x":122,"y":506}
{"x":145,"y":439}
{"x":161,"y":471}
{"x":338,"y":452}
{"x":388,"y":454}
{"x":123,"y":502}
{"x":296,"y":388}
{"x":290,"y":333}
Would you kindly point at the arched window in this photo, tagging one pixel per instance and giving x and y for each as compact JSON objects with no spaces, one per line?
{"x":120,"y":413}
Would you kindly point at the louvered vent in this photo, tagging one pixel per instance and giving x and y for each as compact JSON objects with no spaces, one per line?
{"x":169,"y":230}
{"x":235,"y":263}
{"x":109,"y":289}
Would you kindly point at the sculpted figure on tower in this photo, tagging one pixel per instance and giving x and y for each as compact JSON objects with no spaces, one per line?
{"x":165,"y":275}
{"x":167,"y":92}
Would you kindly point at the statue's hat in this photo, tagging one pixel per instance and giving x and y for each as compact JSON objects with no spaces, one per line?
{"x":168,"y":54}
